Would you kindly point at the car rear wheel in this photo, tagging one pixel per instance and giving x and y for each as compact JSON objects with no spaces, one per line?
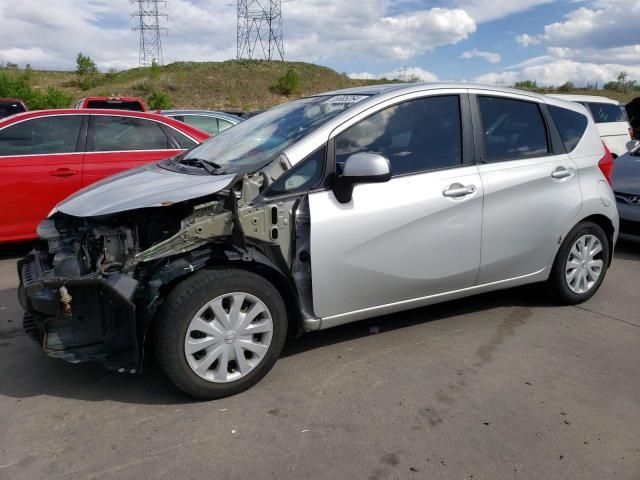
{"x":581,"y":264}
{"x":220,"y":331}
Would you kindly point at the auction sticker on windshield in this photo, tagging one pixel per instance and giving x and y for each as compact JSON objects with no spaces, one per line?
{"x":346,"y":99}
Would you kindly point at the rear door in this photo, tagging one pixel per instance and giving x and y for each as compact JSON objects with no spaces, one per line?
{"x":117,"y":143}
{"x":414,"y":236}
{"x":40,"y":165}
{"x":531,"y":190}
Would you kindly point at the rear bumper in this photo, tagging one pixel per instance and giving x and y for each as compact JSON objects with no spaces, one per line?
{"x":99,"y":325}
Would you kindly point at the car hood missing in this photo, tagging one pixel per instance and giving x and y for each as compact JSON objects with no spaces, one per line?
{"x":144,"y":187}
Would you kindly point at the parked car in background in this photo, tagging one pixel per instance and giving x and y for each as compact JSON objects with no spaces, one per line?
{"x":626,"y":185}
{"x":208,"y":121}
{"x":115,"y":103}
{"x":11,"y":106}
{"x":611,"y":120}
{"x":250,"y":114}
{"x":320,"y":212}
{"x":47,"y":155}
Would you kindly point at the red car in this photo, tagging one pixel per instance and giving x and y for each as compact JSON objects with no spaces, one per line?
{"x":118,"y":103}
{"x":47,"y":155}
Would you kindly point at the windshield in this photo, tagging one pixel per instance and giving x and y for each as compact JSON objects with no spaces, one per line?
{"x":257,"y":141}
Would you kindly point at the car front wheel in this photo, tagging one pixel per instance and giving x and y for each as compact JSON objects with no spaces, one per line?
{"x":220,"y":331}
{"x":581,"y":264}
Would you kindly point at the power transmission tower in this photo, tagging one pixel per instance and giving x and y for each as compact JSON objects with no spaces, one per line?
{"x":147,"y":17}
{"x":260,"y":29}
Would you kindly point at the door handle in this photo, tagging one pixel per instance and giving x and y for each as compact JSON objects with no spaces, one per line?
{"x":562,"y":172}
{"x":458,"y":190}
{"x":62,"y":172}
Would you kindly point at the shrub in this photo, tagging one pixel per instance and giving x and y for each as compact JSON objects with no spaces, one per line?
{"x":288,"y":84}
{"x":159,"y":101}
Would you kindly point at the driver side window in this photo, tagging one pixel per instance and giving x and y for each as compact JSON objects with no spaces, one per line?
{"x":304,"y":176}
{"x":415,"y":136}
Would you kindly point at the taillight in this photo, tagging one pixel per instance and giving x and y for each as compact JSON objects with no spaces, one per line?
{"x":633,"y":137}
{"x":606,"y":164}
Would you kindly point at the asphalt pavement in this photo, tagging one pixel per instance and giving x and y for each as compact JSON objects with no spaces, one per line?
{"x":499,"y":386}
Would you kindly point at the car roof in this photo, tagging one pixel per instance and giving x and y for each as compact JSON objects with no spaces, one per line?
{"x":199,"y":134}
{"x":584,"y":98}
{"x":207,"y":113}
{"x":398,"y":88}
{"x":126,"y":99}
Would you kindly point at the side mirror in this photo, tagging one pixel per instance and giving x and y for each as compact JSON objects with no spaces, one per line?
{"x":361,"y":168}
{"x":632,"y":145}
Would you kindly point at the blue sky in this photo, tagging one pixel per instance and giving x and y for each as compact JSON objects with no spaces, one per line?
{"x":467,"y":40}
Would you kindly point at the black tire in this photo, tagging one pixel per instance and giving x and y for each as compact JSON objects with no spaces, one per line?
{"x":557,"y":283}
{"x":184,"y":302}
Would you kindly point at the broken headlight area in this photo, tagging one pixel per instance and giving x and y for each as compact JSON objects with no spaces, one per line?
{"x":83,"y":290}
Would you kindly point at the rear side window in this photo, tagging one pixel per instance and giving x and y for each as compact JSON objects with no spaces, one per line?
{"x":223,"y":124}
{"x":115,"y":104}
{"x":182,"y":140}
{"x":415,"y":136}
{"x":513,"y":129}
{"x":112,"y":133}
{"x":201,"y":122}
{"x":41,"y":136}
{"x":607,"y":112}
{"x":570,"y":124}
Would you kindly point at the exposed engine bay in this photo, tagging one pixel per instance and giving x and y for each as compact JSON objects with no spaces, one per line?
{"x":93,"y":284}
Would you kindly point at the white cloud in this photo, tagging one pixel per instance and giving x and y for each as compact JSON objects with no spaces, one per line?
{"x":404,"y":74}
{"x":525,"y":40}
{"x":608,"y":23}
{"x":487,"y":10}
{"x":315,"y":30}
{"x":490,"y":57}
{"x":559,"y":71}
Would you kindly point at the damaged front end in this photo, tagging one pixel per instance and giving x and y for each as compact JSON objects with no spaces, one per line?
{"x":93,"y":284}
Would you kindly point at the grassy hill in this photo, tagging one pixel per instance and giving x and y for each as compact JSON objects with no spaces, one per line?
{"x":231,"y":85}
{"x":234,"y":84}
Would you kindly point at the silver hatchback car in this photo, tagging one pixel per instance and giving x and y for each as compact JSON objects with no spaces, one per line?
{"x":318,"y":212}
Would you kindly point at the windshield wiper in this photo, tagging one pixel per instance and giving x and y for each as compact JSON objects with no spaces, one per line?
{"x":208,"y":165}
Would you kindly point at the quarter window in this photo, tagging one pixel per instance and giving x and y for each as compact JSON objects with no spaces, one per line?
{"x":415,"y":136}
{"x":112,"y":133}
{"x":607,"y":112}
{"x":512,"y":129}
{"x":570,"y":124}
{"x":41,"y":136}
{"x":304,"y":176}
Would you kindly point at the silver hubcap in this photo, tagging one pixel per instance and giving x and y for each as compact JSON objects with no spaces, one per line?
{"x":584,"y":265}
{"x":228,"y":337}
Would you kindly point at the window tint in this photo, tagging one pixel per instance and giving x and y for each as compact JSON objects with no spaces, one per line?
{"x":417,"y":135}
{"x":201,"y":122}
{"x":607,"y":112}
{"x":182,"y":140}
{"x":54,"y":134}
{"x":113,"y":133}
{"x":512,"y":129}
{"x":571,"y":125}
{"x":10,"y":108}
{"x":116,"y":105}
{"x":303,"y":176}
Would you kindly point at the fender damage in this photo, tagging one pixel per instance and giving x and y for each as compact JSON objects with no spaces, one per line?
{"x":102,"y":266}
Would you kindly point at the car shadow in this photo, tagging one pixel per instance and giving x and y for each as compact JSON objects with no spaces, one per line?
{"x":14,"y":250}
{"x":627,"y":250}
{"x":30,"y":373}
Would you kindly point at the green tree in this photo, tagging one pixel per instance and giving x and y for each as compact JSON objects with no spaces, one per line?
{"x":288,"y":84}
{"x":526,"y":85}
{"x":566,"y":87}
{"x":159,"y":100}
{"x":86,"y":71}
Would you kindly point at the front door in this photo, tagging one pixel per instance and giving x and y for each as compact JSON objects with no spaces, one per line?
{"x":415,"y":236}
{"x":40,"y":165}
